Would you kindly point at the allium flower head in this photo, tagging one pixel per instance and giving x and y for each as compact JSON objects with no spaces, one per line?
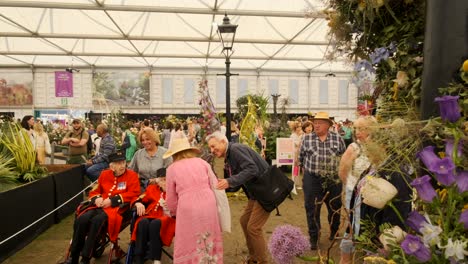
{"x":286,"y":243}
{"x":448,"y":106}
{"x":423,"y":186}
{"x":412,"y":245}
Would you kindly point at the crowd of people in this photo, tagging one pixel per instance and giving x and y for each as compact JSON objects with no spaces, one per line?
{"x":330,"y":161}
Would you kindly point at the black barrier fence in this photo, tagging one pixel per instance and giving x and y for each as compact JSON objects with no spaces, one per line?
{"x":26,"y":204}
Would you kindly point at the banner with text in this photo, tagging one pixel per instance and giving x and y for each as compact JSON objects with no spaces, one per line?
{"x":63,"y":84}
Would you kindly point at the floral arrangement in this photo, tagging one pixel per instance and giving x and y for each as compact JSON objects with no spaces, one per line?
{"x":55,"y":133}
{"x":209,"y":121}
{"x":437,"y":227}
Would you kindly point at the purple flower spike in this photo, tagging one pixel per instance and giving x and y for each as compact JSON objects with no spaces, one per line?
{"x":464,"y":219}
{"x":424,"y":188}
{"x":462,"y":181}
{"x":415,"y":220}
{"x":443,"y":169}
{"x":428,"y":157}
{"x":449,"y":148}
{"x":412,"y":245}
{"x":448,"y":106}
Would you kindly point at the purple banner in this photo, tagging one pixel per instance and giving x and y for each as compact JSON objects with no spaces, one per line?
{"x":63,"y":84}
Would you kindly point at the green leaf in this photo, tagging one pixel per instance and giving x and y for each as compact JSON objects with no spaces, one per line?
{"x":391,"y":63}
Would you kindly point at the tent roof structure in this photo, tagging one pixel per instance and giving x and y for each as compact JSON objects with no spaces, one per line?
{"x":280,"y":35}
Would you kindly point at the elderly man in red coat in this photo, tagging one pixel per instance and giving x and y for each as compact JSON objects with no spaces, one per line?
{"x":116,"y":186}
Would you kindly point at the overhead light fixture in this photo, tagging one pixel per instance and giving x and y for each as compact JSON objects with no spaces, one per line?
{"x":71,"y":70}
{"x":330,"y":74}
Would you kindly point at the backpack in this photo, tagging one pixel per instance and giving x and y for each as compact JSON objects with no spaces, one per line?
{"x":271,"y":188}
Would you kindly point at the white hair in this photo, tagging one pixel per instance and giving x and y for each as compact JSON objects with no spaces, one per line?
{"x":217,"y":135}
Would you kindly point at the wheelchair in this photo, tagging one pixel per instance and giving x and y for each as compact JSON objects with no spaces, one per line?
{"x":116,"y":253}
{"x":131,"y":246}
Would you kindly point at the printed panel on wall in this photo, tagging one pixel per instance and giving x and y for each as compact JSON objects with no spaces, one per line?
{"x":16,"y":89}
{"x":112,"y":89}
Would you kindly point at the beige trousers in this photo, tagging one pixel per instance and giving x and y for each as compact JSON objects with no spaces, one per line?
{"x":252,"y":221}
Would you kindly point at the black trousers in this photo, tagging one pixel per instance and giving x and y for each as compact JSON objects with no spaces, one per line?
{"x":148,"y":238}
{"x":86,"y":229}
{"x":312,"y":185}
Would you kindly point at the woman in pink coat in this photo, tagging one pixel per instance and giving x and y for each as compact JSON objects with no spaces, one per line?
{"x":198,"y":237}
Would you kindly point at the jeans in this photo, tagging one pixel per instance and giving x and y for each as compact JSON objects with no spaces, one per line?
{"x":252,"y":221}
{"x":94,"y":170}
{"x":314,"y":192}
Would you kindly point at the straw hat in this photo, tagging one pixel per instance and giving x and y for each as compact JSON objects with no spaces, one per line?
{"x":178,"y":145}
{"x":323,"y":116}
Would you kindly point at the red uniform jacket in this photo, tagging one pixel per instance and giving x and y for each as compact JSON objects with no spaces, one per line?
{"x":122,"y":189}
{"x":154,"y":211}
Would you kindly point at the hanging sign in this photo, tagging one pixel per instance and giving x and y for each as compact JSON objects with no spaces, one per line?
{"x":63,"y":84}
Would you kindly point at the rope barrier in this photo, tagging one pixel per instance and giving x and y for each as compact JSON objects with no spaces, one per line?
{"x":35,"y":222}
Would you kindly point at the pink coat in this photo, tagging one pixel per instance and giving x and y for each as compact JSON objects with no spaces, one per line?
{"x":191,"y":199}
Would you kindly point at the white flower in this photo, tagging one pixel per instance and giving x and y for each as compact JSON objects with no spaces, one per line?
{"x":455,"y":249}
{"x":430,"y":234}
{"x":392,"y":236}
{"x":377,"y":192}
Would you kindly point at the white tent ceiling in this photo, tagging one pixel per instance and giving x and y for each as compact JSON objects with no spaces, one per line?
{"x":272,"y":34}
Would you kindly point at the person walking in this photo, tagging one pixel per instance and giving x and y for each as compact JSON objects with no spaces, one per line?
{"x":319,"y":156}
{"x":190,"y":197}
{"x":243,"y":165}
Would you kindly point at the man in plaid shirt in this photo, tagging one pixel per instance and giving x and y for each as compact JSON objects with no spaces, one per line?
{"x":319,"y":156}
{"x":100,"y":161}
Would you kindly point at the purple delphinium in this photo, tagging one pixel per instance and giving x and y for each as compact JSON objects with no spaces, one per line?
{"x":443,"y":169}
{"x":464,"y":219}
{"x":364,"y":65}
{"x":379,"y":54}
{"x":448,"y":106}
{"x":286,"y":243}
{"x":462,"y":181}
{"x":428,"y":157}
{"x":424,"y":188}
{"x":413,"y":245}
{"x":449,"y":148}
{"x":415,"y":220}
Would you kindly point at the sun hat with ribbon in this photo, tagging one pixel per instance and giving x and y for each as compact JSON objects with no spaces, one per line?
{"x":177,"y":145}
{"x":323,"y":116}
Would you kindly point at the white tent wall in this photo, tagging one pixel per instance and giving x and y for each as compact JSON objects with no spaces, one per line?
{"x":308,"y":92}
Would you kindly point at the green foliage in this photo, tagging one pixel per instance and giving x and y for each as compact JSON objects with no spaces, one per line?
{"x":260,"y":102}
{"x":360,"y":27}
{"x":18,"y":154}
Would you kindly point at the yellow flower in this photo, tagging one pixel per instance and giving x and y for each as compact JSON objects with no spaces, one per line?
{"x":465,"y":66}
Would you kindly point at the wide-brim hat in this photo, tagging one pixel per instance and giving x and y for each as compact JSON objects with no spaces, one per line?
{"x":177,"y":145}
{"x":323,"y":116}
{"x":117,"y":156}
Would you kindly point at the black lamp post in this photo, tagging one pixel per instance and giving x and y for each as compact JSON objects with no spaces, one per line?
{"x":227,"y":33}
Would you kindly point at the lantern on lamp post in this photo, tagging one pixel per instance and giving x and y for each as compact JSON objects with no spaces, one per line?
{"x":227,"y":33}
